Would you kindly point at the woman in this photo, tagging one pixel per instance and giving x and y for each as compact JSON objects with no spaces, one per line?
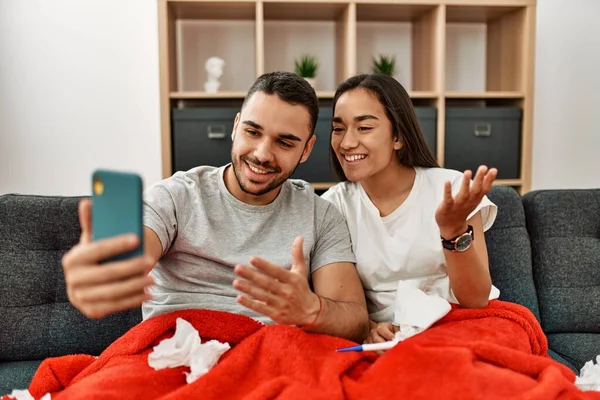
{"x":417,"y":229}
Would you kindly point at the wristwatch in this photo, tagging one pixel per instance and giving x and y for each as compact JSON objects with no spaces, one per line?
{"x":461,"y":242}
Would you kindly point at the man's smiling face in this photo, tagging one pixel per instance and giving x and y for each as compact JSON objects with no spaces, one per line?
{"x":270,"y":139}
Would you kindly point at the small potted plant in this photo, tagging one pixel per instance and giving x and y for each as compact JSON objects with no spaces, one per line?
{"x":307,"y":66}
{"x":384,"y":65}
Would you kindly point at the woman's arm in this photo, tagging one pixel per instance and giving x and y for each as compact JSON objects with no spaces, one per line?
{"x":469,"y":270}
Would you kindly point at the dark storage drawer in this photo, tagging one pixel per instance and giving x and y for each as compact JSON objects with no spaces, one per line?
{"x":428,"y":120}
{"x":484,"y":136}
{"x":202,"y":136}
{"x":318,"y":168}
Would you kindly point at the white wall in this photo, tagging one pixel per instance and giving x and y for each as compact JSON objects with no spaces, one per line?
{"x":566,"y":145}
{"x":79,"y":90}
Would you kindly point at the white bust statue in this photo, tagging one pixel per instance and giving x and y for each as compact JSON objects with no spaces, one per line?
{"x":214,"y":71}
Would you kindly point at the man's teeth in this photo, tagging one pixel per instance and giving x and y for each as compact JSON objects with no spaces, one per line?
{"x":256,"y":170}
{"x":355,"y":157}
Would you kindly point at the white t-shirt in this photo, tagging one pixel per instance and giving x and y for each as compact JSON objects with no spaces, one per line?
{"x":403,"y":249}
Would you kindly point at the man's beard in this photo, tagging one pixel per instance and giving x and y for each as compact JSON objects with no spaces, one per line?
{"x":275,"y":183}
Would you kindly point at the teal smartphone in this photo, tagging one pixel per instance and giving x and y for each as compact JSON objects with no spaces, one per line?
{"x":117,"y":208}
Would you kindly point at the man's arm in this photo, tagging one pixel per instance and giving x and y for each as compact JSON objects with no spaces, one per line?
{"x":344,"y":310}
{"x":335,"y":278}
{"x":152,"y":245}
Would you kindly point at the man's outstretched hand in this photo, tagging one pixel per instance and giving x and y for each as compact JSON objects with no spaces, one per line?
{"x":282,"y":295}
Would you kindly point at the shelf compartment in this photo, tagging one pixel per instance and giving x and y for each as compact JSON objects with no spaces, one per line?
{"x":480,"y":13}
{"x":292,"y":30}
{"x":207,"y":29}
{"x":485,"y":48}
{"x":410,"y":33}
{"x":484,"y":95}
{"x":210,"y":10}
{"x":300,"y":11}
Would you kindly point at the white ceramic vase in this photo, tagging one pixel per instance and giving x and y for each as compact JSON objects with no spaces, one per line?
{"x":312,"y":82}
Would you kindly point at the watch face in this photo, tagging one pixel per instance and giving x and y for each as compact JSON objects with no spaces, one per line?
{"x":464,"y":242}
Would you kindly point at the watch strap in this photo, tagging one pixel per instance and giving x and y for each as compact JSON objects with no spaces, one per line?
{"x":450,"y":244}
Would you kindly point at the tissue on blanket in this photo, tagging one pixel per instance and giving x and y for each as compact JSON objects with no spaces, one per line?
{"x":589,"y":378}
{"x":25,"y":395}
{"x":415,"y":310}
{"x":186,"y":349}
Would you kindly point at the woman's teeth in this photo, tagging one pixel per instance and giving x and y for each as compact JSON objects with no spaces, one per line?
{"x":355,"y":157}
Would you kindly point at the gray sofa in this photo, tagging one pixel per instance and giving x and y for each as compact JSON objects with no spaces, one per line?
{"x":544,"y":253}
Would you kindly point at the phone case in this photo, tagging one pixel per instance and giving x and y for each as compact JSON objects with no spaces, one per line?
{"x":117,"y":207}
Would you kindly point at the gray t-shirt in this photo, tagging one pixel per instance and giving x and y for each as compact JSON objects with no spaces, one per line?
{"x":205,"y":231}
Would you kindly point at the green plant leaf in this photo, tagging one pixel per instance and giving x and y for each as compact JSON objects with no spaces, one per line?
{"x":307,"y":66}
{"x":384,"y":65}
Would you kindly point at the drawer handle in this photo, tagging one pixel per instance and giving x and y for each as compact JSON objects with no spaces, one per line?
{"x":216,"y":131}
{"x":483,"y":129}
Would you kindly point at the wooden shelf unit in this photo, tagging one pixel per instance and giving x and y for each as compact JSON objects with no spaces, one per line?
{"x":257,"y":36}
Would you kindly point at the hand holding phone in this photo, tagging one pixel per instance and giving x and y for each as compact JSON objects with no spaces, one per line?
{"x":107,"y":270}
{"x":117,"y":208}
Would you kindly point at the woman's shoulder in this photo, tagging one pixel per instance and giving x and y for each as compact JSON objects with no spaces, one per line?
{"x":341,"y":191}
{"x":435,"y":175}
{"x":343,"y":196}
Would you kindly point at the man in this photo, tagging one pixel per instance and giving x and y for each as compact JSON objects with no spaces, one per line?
{"x":203,"y":226}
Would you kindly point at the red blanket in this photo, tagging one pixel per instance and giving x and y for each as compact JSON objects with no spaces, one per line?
{"x":495,"y":353}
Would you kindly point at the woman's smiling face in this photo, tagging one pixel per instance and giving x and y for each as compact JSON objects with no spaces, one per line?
{"x":362,"y":137}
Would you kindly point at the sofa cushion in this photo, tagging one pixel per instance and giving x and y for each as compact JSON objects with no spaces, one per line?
{"x":509,"y":250}
{"x":576,"y":348}
{"x":564,"y":227}
{"x":556,"y":357}
{"x":36,"y":319}
{"x":16,"y":375}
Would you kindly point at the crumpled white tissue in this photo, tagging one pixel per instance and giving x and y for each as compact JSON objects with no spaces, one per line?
{"x":415,"y":310}
{"x":185,"y":349}
{"x":25,"y":395}
{"x":589,"y":378}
